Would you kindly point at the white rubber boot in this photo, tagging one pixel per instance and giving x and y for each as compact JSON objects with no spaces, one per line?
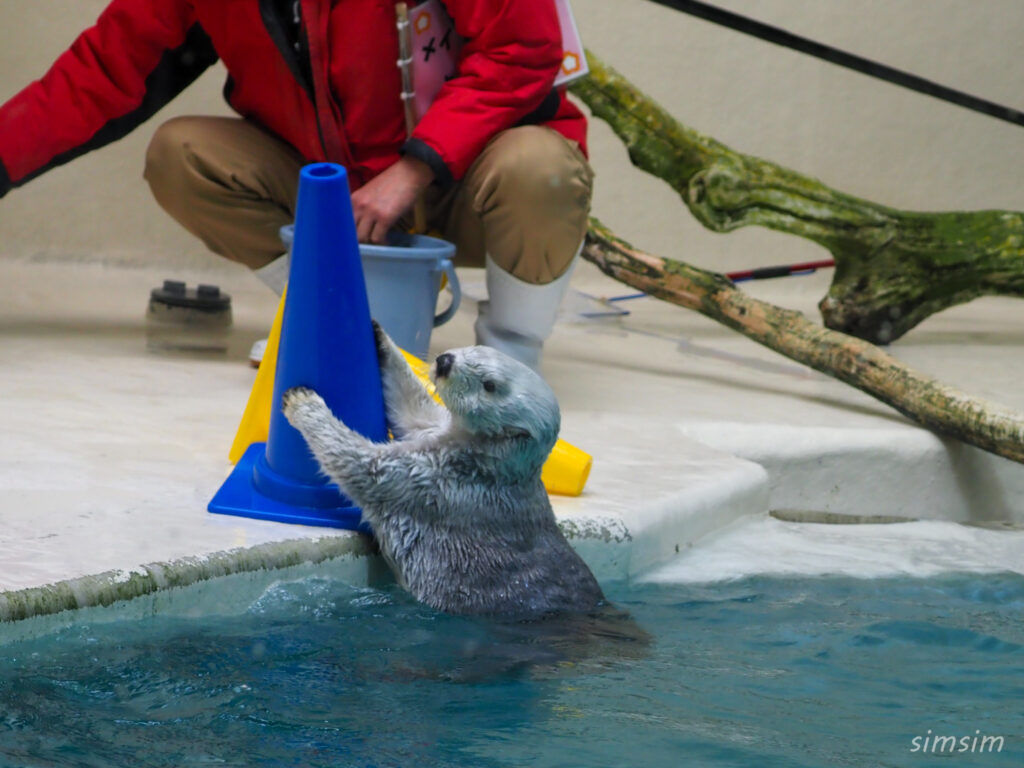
{"x":275,"y":276}
{"x":518,"y":316}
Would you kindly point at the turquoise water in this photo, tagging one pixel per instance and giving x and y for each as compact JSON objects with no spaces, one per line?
{"x":759,"y":672}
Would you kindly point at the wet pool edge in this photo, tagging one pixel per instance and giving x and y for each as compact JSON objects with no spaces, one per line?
{"x":177,"y":585}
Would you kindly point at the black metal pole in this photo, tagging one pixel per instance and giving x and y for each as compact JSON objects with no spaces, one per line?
{"x":779,"y":36}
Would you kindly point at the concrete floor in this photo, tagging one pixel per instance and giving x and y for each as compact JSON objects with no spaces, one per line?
{"x":109,"y":452}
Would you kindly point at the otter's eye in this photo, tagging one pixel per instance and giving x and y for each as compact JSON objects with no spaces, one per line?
{"x":490,"y":386}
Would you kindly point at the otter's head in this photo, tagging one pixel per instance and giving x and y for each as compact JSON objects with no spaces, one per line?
{"x":491,"y":395}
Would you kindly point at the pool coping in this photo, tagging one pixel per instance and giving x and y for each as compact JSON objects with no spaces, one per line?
{"x":110,"y":587}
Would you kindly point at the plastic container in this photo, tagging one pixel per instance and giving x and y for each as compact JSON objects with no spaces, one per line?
{"x":403,"y":279}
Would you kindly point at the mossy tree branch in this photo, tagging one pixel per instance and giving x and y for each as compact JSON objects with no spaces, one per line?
{"x":941,"y":408}
{"x":893,"y":268}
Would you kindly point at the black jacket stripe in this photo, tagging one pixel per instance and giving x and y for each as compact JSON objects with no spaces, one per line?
{"x":5,"y":180}
{"x":178,"y":68}
{"x":299,"y":68}
{"x":545,"y":111}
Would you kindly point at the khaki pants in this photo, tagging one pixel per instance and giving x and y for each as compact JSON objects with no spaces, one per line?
{"x":524,"y":201}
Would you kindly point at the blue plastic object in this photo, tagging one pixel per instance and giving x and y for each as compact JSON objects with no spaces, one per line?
{"x":326,"y":344}
{"x":402,"y":281}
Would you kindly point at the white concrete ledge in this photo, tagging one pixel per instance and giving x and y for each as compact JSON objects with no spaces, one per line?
{"x":109,"y":453}
{"x":902,"y":471}
{"x":654,"y":490}
{"x":619,"y":531}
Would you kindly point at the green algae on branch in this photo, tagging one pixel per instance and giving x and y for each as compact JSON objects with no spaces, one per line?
{"x":939,"y":407}
{"x":893,"y":268}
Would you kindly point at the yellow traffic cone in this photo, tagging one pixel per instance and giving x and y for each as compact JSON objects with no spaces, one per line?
{"x":255,"y":424}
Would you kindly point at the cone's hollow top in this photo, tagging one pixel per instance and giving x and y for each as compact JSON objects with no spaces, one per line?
{"x":323,"y":171}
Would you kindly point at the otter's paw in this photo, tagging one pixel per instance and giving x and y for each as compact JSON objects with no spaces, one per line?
{"x":299,"y":399}
{"x":384,"y":344}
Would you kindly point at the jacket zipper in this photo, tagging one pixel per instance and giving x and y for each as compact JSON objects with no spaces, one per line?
{"x":296,"y":54}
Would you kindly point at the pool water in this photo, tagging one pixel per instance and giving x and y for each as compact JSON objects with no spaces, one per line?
{"x":764,"y":671}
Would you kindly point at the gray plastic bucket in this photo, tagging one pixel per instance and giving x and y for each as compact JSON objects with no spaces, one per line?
{"x":403,"y":279}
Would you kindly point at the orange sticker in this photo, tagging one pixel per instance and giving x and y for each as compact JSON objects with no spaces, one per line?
{"x":422,"y":23}
{"x":570,"y":63}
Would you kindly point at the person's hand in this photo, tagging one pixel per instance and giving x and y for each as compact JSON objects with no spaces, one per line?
{"x":379,"y":204}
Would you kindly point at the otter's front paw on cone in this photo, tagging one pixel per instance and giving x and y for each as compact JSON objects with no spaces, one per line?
{"x":298,"y":400}
{"x":384,"y":344}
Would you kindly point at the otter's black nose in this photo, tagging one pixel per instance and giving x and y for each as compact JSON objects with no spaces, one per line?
{"x":444,"y":364}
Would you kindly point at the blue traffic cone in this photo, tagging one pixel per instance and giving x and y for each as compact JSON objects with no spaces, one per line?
{"x":327,"y":344}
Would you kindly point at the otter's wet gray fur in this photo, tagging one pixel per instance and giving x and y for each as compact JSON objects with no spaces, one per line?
{"x":456,"y":500}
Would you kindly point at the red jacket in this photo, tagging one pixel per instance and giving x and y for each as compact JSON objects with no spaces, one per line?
{"x":337,"y":100}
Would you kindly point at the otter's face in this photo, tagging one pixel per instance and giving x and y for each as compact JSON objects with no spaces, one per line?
{"x":489,"y":393}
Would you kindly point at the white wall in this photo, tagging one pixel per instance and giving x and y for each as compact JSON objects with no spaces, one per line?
{"x":98,"y":206}
{"x":857,"y":134}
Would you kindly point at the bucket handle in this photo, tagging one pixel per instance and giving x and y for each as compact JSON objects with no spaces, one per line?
{"x":453,"y":283}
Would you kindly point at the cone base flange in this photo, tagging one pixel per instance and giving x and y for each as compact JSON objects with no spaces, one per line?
{"x":239,"y":497}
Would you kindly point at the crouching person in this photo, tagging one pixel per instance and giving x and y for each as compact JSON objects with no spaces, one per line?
{"x":499,"y":155}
